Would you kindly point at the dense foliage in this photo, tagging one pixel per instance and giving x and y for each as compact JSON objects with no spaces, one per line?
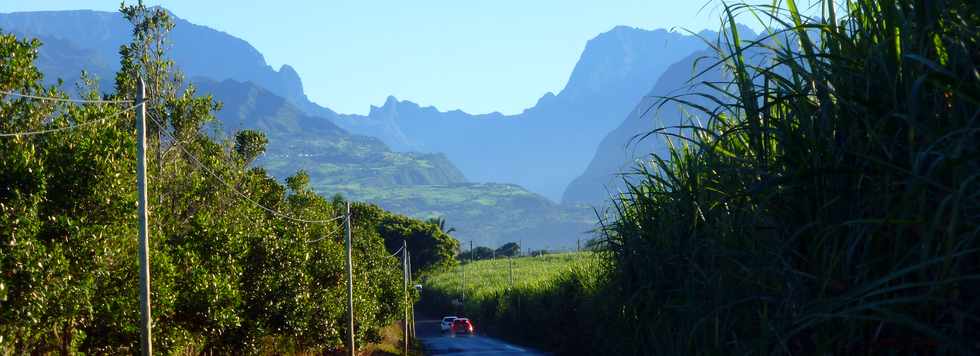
{"x":227,"y":275}
{"x":828,"y":202}
{"x":824,"y":199}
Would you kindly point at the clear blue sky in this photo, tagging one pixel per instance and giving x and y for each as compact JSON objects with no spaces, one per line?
{"x":475,"y":55}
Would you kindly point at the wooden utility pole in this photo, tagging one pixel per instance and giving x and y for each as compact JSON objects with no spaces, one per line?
{"x":412,"y":306}
{"x":462,"y":282}
{"x":350,"y":286}
{"x":405,"y":277}
{"x":510,"y":264}
{"x":146,"y":327}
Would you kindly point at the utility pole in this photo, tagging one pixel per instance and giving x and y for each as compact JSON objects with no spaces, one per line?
{"x":350,"y":286}
{"x":146,"y":340}
{"x":472,"y":258}
{"x":510,"y":264}
{"x":412,"y":324}
{"x":405,"y":277}
{"x":578,"y":245}
{"x":462,"y":283}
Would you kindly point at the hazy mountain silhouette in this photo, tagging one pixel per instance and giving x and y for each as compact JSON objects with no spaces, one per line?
{"x":198,"y":50}
{"x":547,"y":145}
{"x":543,"y":148}
{"x":633,"y":142}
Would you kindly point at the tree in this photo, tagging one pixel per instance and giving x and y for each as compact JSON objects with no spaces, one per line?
{"x":225,"y":272}
{"x":441,"y":223}
{"x":299,"y":182}
{"x":479,"y":253}
{"x":429,"y":246}
{"x":249,"y":144}
{"x":510,"y":249}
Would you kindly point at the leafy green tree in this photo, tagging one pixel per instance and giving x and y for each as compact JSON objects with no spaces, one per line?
{"x":428,"y":245}
{"x":299,"y":182}
{"x":228,"y":276}
{"x":478,"y":253}
{"x":249,"y":144}
{"x":510,"y":249}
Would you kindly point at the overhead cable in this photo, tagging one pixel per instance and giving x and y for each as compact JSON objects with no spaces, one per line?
{"x":232,"y":188}
{"x":65,"y":100}
{"x":71,"y":127}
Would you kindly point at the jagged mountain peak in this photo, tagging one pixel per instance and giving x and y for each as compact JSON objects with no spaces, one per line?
{"x":623,"y":53}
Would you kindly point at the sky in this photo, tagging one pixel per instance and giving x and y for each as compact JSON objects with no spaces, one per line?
{"x":479,"y":56}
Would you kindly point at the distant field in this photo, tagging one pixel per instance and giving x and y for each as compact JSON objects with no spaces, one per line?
{"x":545,"y":290}
{"x":489,"y":277}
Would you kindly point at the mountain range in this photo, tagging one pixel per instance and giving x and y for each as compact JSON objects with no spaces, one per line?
{"x":546,"y":146}
{"x":413,"y":159}
{"x":417,"y":184}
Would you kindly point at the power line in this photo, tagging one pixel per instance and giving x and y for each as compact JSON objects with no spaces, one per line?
{"x":397,"y":252}
{"x":232,"y":188}
{"x":64,"y":100}
{"x":75,"y":126}
{"x":329,"y":234}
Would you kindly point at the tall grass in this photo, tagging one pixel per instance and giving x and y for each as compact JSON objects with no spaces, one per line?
{"x":824,"y":200}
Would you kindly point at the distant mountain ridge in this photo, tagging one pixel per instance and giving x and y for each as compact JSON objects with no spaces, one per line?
{"x":330,"y":155}
{"x":547,"y":145}
{"x":632,"y":144}
{"x":556,"y":148}
{"x":543,"y":148}
{"x":418,"y":184}
{"x":200,"y":51}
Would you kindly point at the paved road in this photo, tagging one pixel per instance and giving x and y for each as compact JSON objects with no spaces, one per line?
{"x":437,"y":343}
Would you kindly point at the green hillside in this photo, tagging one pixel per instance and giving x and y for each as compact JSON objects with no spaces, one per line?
{"x":486,"y":213}
{"x":328,"y":153}
{"x":363,"y":168}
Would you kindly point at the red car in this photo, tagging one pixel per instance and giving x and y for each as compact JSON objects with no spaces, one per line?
{"x":462,"y":325}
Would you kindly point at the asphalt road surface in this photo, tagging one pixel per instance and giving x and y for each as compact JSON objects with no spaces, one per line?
{"x":437,"y":343}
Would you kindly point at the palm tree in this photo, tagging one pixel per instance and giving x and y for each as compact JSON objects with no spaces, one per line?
{"x":441,"y":223}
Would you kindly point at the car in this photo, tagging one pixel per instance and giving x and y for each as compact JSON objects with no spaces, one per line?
{"x":462,"y":325}
{"x":447,"y":323}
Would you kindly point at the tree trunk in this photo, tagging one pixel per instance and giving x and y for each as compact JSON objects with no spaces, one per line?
{"x":66,"y":339}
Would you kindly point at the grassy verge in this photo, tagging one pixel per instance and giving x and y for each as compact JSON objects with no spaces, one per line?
{"x":390,"y":344}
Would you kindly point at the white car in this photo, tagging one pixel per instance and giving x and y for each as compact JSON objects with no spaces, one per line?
{"x":447,"y":323}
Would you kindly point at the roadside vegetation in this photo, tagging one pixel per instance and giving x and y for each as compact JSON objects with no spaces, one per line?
{"x":227,"y":276}
{"x":519,"y":298}
{"x":832,"y":205}
{"x":478,"y":280}
{"x":824,"y":199}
